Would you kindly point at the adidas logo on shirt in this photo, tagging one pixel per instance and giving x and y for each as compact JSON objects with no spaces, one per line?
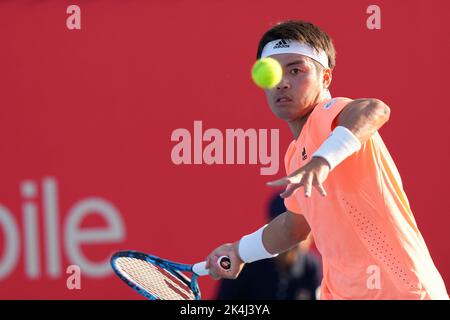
{"x":281,"y":44}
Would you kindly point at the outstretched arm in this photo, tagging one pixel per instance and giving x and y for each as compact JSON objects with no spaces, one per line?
{"x":356,"y":123}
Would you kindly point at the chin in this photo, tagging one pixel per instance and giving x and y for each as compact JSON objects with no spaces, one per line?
{"x":286,"y":113}
{"x":286,"y":116}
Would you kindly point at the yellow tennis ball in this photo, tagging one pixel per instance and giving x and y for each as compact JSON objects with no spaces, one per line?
{"x":267,"y":73}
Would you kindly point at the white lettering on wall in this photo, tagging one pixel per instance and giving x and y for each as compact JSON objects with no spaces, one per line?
{"x":237,"y":146}
{"x":74,"y":235}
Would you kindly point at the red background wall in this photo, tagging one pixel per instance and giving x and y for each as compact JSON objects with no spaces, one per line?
{"x":95,"y":108}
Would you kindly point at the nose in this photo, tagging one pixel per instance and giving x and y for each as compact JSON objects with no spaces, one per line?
{"x":283,"y":84}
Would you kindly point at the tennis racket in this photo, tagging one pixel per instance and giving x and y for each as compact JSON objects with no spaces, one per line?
{"x":161,"y":279}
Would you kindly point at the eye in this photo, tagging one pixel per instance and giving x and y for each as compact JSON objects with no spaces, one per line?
{"x":295,"y":71}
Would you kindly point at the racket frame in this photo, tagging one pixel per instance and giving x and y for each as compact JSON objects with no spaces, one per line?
{"x":174,"y":268}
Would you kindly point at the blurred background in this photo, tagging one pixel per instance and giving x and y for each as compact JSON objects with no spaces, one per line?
{"x":87,"y":117}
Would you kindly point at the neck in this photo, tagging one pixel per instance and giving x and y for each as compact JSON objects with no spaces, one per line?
{"x":296,"y":125}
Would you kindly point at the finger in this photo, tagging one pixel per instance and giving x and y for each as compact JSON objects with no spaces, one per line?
{"x":290,"y":190}
{"x":280,"y":182}
{"x":308,"y":185}
{"x":213,"y":269}
{"x":321,"y":189}
{"x":214,"y":276}
{"x":286,"y":180}
{"x":296,"y":179}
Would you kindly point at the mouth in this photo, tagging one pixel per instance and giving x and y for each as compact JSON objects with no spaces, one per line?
{"x":283,"y":99}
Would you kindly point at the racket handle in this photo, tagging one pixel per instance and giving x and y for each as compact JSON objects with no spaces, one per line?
{"x":200,"y":268}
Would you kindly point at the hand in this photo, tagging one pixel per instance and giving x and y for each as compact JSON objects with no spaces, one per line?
{"x":314,"y":173}
{"x":229,"y":250}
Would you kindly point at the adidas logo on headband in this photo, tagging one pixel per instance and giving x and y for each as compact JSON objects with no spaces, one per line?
{"x":292,"y":46}
{"x":281,"y":44}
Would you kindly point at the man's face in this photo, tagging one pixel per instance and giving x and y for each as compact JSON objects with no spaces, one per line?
{"x":300,"y":89}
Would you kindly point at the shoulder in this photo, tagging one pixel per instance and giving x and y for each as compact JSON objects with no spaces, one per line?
{"x":333,"y":105}
{"x":324,"y":116}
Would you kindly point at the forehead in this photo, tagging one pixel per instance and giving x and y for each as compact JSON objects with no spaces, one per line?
{"x":287,"y":58}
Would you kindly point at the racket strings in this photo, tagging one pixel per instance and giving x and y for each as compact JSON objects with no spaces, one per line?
{"x":157,"y":281}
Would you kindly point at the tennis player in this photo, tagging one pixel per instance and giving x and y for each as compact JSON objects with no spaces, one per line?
{"x":342,"y":184}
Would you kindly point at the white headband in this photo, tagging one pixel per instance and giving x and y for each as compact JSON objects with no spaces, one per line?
{"x":292,"y":46}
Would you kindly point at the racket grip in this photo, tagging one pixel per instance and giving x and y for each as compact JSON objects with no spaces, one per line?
{"x":200,"y":268}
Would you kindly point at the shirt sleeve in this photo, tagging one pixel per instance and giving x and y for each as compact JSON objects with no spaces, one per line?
{"x":323,"y":119}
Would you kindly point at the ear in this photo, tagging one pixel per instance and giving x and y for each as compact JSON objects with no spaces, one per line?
{"x":327,"y":77}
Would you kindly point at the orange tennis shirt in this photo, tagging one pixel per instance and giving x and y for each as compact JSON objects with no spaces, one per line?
{"x":364,"y":229}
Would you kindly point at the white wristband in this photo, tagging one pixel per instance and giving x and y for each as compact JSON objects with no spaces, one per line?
{"x":340,"y":144}
{"x":251,"y":247}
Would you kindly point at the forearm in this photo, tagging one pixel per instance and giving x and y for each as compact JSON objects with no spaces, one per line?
{"x":363,"y":117}
{"x":283,"y":232}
